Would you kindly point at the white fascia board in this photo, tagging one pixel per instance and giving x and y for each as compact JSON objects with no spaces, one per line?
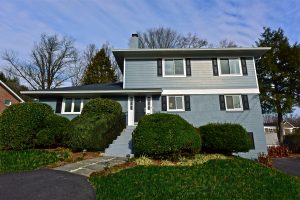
{"x":8,"y":88}
{"x":92,"y":92}
{"x":211,"y":91}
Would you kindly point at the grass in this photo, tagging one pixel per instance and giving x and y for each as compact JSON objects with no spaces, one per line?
{"x":14,"y":161}
{"x":216,"y":179}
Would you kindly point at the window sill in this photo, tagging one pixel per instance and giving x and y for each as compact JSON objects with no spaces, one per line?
{"x":173,"y":76}
{"x":234,"y":110}
{"x":230,"y":75}
{"x":71,"y":113}
{"x":175,"y":110}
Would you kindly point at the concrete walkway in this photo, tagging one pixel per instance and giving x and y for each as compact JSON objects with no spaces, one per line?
{"x":86,"y":167}
{"x":290,"y":166}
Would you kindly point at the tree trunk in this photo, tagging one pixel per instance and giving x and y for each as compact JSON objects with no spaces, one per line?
{"x":280,"y":128}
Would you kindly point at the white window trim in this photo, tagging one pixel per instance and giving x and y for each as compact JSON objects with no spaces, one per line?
{"x":7,"y":104}
{"x":234,"y":109}
{"x":219,"y":66}
{"x":130,"y":112}
{"x":163,"y":68}
{"x":176,"y":110}
{"x":72,"y":106}
{"x":147,"y":110}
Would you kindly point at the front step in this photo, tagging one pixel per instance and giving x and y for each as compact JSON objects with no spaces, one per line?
{"x":122,"y":146}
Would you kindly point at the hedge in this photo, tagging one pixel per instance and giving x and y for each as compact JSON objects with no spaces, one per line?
{"x":163,"y":135}
{"x":225,"y":138}
{"x":54,"y":132}
{"x":99,"y":124}
{"x":29,"y":125}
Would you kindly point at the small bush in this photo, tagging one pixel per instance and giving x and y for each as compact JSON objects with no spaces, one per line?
{"x":293,"y":142}
{"x":265,"y":160}
{"x":97,"y":126}
{"x":225,"y":138}
{"x":20,"y":123}
{"x":278,"y":151}
{"x":165,"y":136}
{"x":54,"y":132}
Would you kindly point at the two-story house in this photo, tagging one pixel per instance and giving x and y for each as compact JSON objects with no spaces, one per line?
{"x":201,"y":85}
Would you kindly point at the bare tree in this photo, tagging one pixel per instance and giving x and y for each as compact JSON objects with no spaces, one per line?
{"x":192,"y":41}
{"x":168,"y":38}
{"x":50,"y":63}
{"x":227,"y":44}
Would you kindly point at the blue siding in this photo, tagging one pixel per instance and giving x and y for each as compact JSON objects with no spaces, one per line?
{"x":51,"y":101}
{"x":143,"y":74}
{"x":206,"y":109}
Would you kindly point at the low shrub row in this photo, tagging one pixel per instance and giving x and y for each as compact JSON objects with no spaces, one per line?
{"x":278,"y":151}
{"x":169,"y":136}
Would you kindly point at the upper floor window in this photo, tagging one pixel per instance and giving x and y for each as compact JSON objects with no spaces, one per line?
{"x":174,"y":67}
{"x":233,"y":102}
{"x":73,"y":106}
{"x":230,"y":66}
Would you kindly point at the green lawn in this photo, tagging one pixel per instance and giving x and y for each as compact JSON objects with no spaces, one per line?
{"x":217,"y":179}
{"x":13,"y":161}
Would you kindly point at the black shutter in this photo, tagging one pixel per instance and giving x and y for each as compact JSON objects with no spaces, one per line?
{"x":245,"y":102}
{"x":163,"y":103}
{"x":244,"y":66}
{"x":252,"y":140}
{"x":215,"y":67}
{"x":159,"y":67}
{"x":188,"y":67}
{"x":187,"y":103}
{"x":222,"y":102}
{"x":58,"y":104}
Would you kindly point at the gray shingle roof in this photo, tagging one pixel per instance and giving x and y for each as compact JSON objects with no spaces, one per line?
{"x":105,"y":86}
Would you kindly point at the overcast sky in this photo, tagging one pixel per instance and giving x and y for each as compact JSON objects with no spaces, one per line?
{"x":98,"y":21}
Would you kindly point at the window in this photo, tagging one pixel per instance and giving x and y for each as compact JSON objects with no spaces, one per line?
{"x":131,"y":103}
{"x":175,"y":103}
{"x":174,"y":67}
{"x":7,"y":102}
{"x":230,"y":66}
{"x":148,"y":103}
{"x":233,"y":102}
{"x":73,"y":105}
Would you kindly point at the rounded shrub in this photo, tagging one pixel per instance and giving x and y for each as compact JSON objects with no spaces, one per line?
{"x":225,"y":138}
{"x":53,"y":132}
{"x":163,"y":135}
{"x":99,"y":124}
{"x":99,"y":106}
{"x":20,"y":123}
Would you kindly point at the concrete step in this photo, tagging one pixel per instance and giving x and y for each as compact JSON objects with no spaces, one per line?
{"x":122,"y":145}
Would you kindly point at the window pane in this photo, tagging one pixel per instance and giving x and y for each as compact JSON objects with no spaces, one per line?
{"x":68,"y":105}
{"x":234,"y":66}
{"x":169,"y":67}
{"x":7,"y":102}
{"x":172,"y":103}
{"x":179,"y":67}
{"x":236,"y":102}
{"x":77,"y":104}
{"x":229,"y":102}
{"x":179,"y":104}
{"x":224,"y":66}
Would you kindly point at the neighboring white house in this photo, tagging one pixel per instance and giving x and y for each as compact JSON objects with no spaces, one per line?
{"x":271,"y":132}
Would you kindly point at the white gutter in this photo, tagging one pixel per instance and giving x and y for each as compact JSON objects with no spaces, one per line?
{"x":18,"y":97}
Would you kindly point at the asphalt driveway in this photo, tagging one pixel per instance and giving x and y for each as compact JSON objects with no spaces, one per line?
{"x":290,"y":166}
{"x":45,"y":185}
